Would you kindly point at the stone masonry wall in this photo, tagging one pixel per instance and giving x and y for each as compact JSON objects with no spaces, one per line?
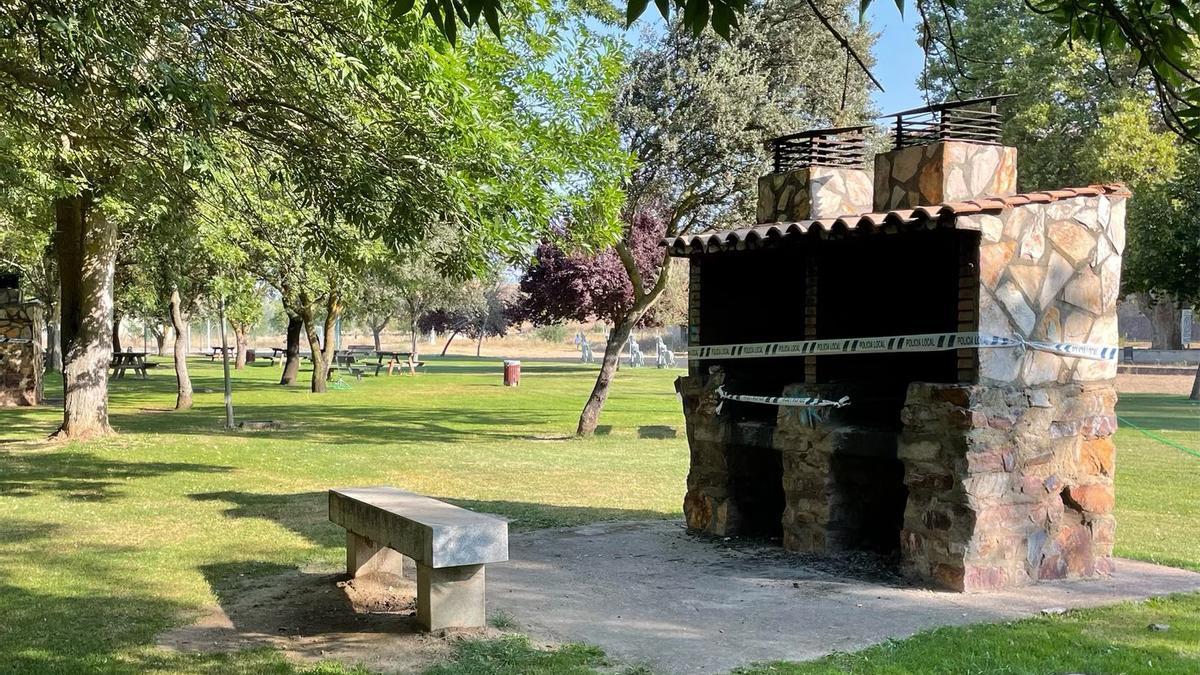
{"x":1009,"y":473}
{"x":1011,"y":480}
{"x":1050,"y":272}
{"x":835,"y":478}
{"x":1007,"y":486}
{"x":707,"y":506}
{"x":946,"y":171}
{"x":20,"y":351}
{"x":813,"y":192}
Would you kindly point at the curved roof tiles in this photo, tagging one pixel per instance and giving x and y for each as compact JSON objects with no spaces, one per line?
{"x":941,"y":215}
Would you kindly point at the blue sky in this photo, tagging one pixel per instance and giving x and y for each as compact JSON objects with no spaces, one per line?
{"x":898,"y":59}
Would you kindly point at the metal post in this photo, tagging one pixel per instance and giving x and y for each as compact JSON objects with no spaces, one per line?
{"x":225,"y":365}
{"x":337,"y":334}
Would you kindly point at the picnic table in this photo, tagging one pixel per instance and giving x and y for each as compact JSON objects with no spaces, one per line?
{"x":396,"y":360}
{"x":135,"y":361}
{"x":348,"y":361}
{"x":219,"y":351}
{"x":280,"y":354}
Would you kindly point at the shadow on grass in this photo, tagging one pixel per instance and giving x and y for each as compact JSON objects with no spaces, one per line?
{"x":306,"y":513}
{"x":497,"y":369}
{"x":342,"y":425}
{"x":1160,"y":412}
{"x":80,"y":476}
{"x":105,"y":618}
{"x":66,"y":633}
{"x":111,"y":633}
{"x":13,"y":531}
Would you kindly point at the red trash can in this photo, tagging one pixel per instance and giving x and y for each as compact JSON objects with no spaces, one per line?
{"x":512,"y":372}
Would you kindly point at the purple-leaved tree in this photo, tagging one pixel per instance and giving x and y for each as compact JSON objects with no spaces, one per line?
{"x":694,"y":113}
{"x":609,"y":286}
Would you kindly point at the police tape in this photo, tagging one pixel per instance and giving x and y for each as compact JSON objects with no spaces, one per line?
{"x":926,"y":342}
{"x":811,"y":402}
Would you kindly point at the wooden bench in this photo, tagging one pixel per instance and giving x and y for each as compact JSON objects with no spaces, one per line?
{"x":449,"y":544}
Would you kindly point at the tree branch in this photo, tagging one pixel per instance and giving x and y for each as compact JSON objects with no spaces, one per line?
{"x":845,"y":44}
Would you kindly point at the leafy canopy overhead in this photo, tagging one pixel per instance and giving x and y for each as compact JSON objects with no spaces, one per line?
{"x":358,"y":119}
{"x":1161,"y":35}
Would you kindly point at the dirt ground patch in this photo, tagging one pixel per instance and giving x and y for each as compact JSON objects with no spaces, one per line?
{"x":650,"y":594}
{"x":318,"y":615}
{"x":647,"y":592}
{"x":1155,"y":384}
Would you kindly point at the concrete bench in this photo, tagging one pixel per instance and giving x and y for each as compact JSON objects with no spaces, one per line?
{"x":449,"y":544}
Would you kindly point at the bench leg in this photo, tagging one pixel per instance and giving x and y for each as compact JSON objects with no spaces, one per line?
{"x":364,"y":556}
{"x":450,"y":597}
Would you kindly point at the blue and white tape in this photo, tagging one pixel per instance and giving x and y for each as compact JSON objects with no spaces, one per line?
{"x":787,"y":401}
{"x":926,"y":342}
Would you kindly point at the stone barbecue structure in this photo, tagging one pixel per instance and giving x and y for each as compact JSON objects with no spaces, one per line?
{"x":20,"y":347}
{"x":979,"y":450}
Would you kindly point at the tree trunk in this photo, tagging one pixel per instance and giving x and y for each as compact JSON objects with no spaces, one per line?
{"x":86,"y":244}
{"x":621,"y":330}
{"x":291,"y":366}
{"x":590,"y":416}
{"x":239,"y":341}
{"x":116,"y":338}
{"x":333,"y":310}
{"x":479,"y":344}
{"x":377,"y":332}
{"x":1165,"y":318}
{"x":320,"y":368}
{"x":160,"y":337}
{"x":183,"y":381}
{"x":452,"y":336}
{"x":53,"y":337}
{"x":412,"y":328}
{"x":1195,"y":395}
{"x":225,"y":367}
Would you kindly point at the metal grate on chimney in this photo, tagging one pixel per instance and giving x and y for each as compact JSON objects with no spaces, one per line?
{"x":843,"y":147}
{"x":974,"y":120}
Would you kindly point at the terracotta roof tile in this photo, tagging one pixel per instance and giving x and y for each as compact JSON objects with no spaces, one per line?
{"x":927,"y":216}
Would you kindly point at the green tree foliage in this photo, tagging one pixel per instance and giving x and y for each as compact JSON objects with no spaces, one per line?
{"x":1080,"y":115}
{"x":1161,"y":37}
{"x":1165,"y":247}
{"x":243,"y":311}
{"x":695,"y":113}
{"x":358,"y":124}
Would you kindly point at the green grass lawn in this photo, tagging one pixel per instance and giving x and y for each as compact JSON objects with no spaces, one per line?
{"x":103,"y":545}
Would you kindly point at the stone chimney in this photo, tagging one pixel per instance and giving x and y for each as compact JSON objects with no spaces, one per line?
{"x":20,"y":347}
{"x":949,"y":152}
{"x":817,"y":174}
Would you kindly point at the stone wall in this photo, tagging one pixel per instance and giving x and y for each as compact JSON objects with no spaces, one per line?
{"x":1050,"y":272}
{"x":20,"y":351}
{"x":1007,"y":485}
{"x":1003,"y":479}
{"x":946,"y":171}
{"x":842,"y":483}
{"x":707,"y":506}
{"x":813,"y":192}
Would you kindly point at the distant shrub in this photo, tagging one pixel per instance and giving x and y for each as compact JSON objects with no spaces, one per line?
{"x":552,"y":333}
